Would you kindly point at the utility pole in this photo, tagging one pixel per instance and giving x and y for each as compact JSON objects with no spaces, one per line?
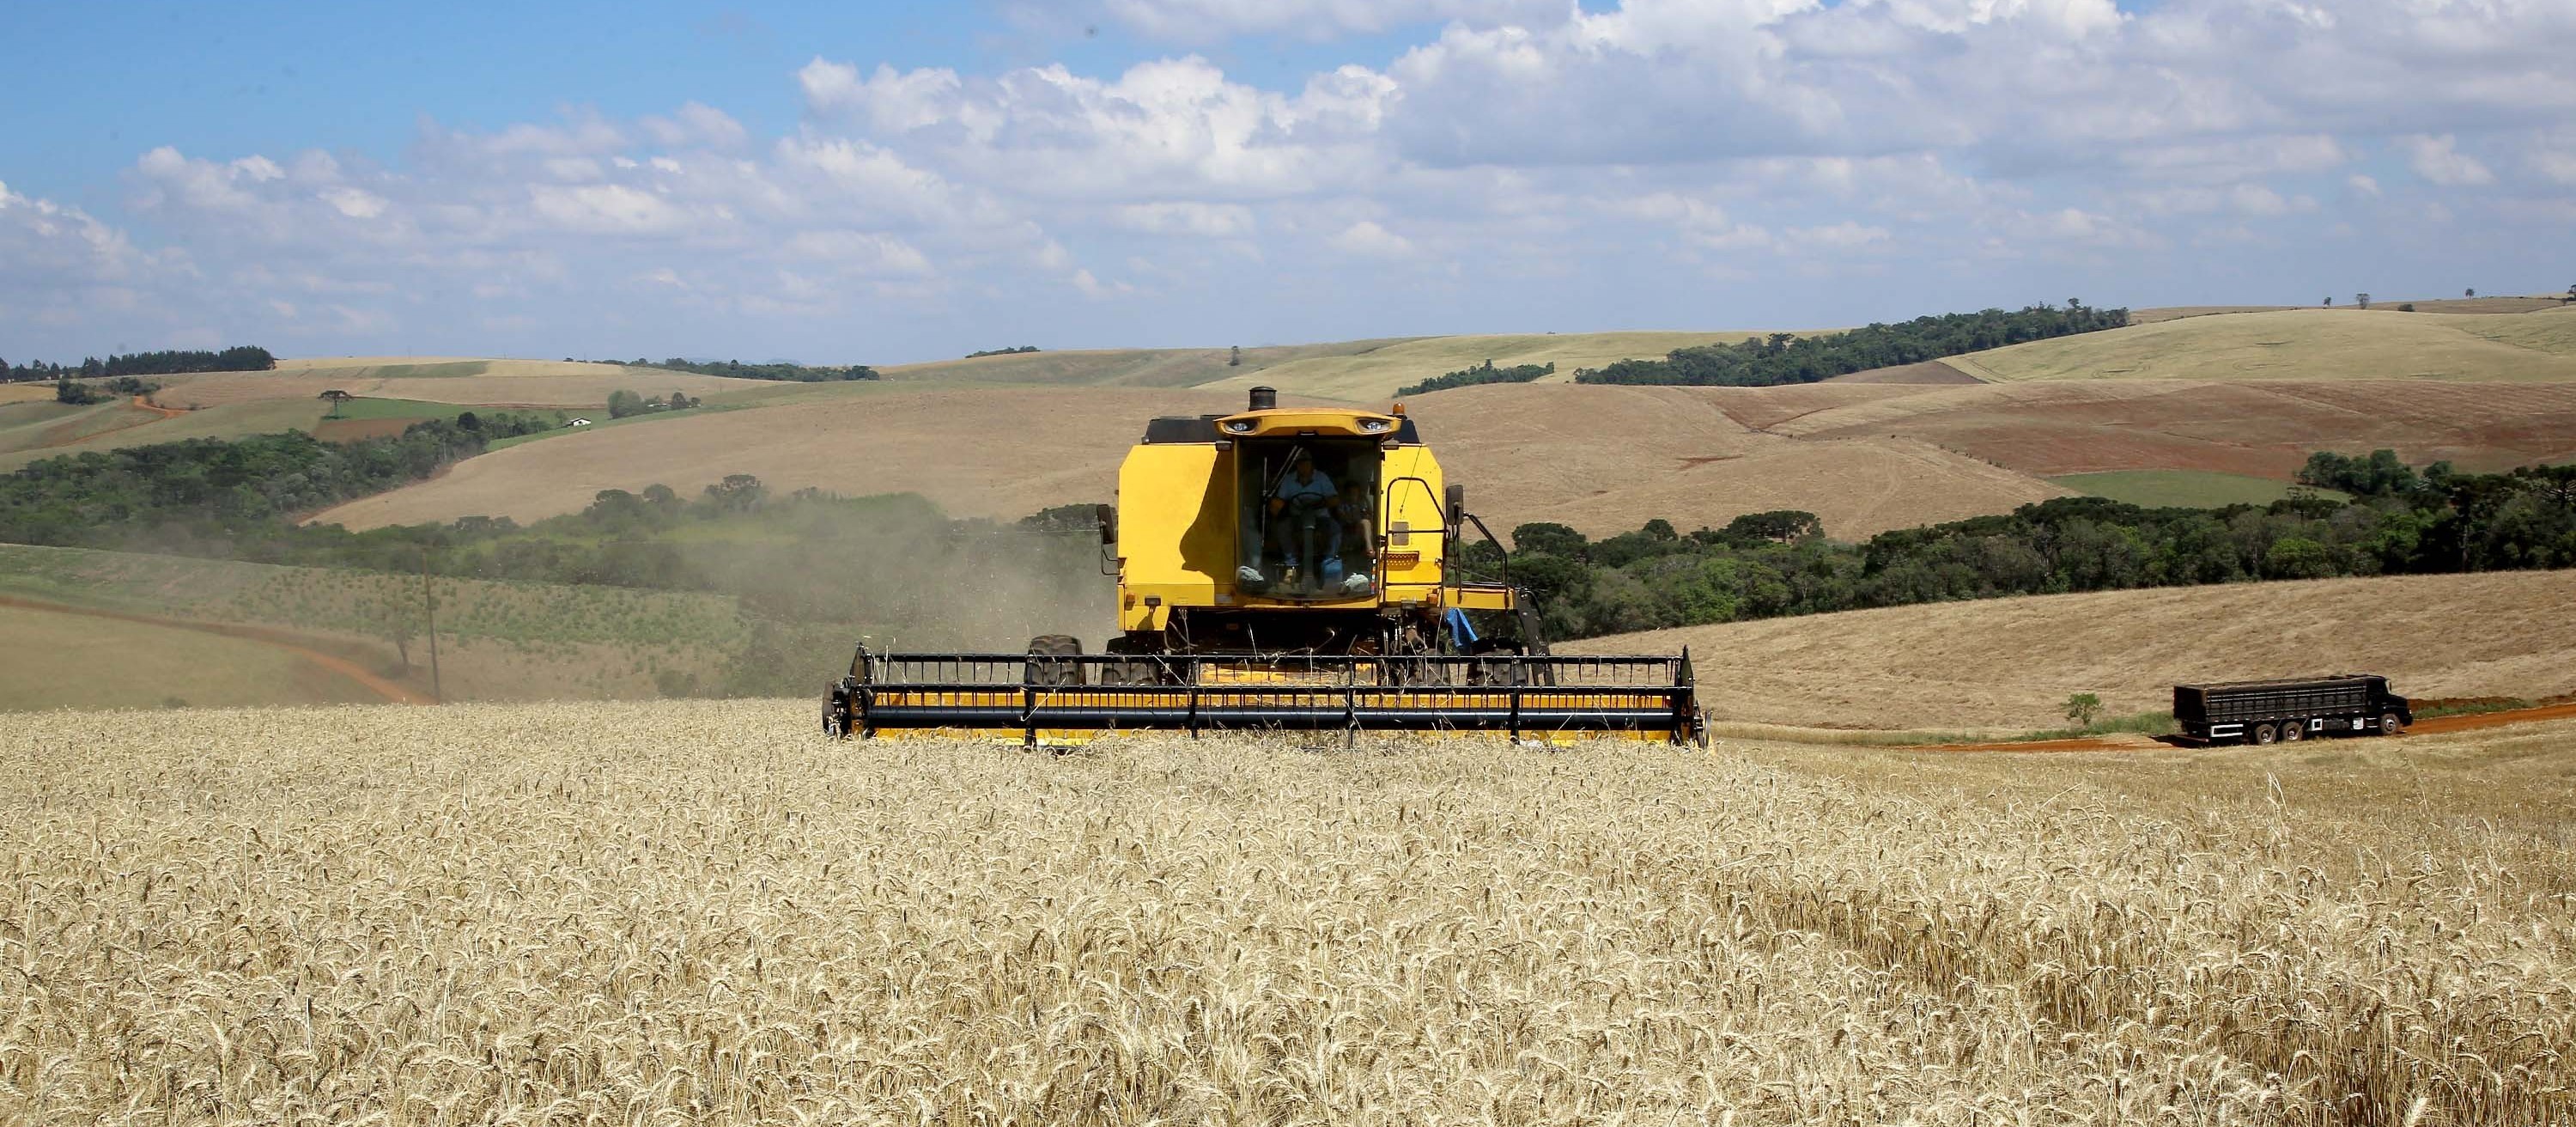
{"x":429,"y":600}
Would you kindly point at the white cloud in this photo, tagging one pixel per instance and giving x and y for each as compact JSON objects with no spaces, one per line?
{"x":1163,"y":125}
{"x":2555,"y":166}
{"x":859,"y":252}
{"x":1204,"y":220}
{"x":1208,"y":21}
{"x":1096,"y":289}
{"x":1844,"y":236}
{"x":2436,"y":159}
{"x":696,"y":125}
{"x":1366,"y":239}
{"x":356,"y":203}
{"x":607,"y":209}
{"x":1750,"y":153}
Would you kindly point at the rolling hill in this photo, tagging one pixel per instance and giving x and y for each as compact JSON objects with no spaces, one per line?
{"x":2303,"y":344}
{"x":1360,"y":370}
{"x":2010,"y":663}
{"x":1603,"y":459}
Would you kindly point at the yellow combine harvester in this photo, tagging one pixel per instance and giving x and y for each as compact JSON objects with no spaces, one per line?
{"x":1288,"y":569}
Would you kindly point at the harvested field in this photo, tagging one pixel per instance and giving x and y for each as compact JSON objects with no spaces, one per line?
{"x":1767,"y":408}
{"x":2302,"y":344}
{"x":26,"y":393}
{"x":136,"y":426}
{"x":1358,"y":370}
{"x":1928,"y":372}
{"x":1603,"y":459}
{"x":2008,"y":664}
{"x":1123,"y":367}
{"x":497,"y":383}
{"x":704,"y":913}
{"x":1002,"y":453}
{"x":2255,"y":428}
{"x":1378,"y":372}
{"x":2182,"y":489}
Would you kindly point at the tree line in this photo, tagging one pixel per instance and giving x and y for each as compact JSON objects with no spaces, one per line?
{"x":622,"y":403}
{"x":1786,"y":358}
{"x":84,"y":394}
{"x":1021,"y":350}
{"x":1482,"y":374}
{"x":164,"y":363}
{"x":736,"y":369}
{"x":222,"y":497}
{"x":1771,"y":564}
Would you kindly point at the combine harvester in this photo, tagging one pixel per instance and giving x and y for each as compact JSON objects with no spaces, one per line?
{"x":1282,"y":569}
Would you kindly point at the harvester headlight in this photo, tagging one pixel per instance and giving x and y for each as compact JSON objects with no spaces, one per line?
{"x":1239,"y":426}
{"x":1375,"y":426}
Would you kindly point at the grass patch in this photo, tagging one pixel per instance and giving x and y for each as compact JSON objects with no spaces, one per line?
{"x":598,"y":421}
{"x":2184,"y":489}
{"x":368,"y":407}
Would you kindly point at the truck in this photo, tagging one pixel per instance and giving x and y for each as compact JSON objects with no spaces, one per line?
{"x":2265,"y":712}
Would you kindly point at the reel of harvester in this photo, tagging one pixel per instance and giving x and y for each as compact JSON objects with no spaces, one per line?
{"x":1055,"y":700}
{"x":1283,"y":569}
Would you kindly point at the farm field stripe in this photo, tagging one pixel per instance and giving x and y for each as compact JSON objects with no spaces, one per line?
{"x":280,"y":639}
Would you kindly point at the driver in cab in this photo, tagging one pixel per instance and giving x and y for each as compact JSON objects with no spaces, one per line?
{"x":1302,"y":526}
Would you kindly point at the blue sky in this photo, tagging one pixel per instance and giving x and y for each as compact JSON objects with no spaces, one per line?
{"x":883,"y":183}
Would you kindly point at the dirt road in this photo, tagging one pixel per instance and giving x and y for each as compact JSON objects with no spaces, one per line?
{"x":268,"y":636}
{"x":2464,"y":722}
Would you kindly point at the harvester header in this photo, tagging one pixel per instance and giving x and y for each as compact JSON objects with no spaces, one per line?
{"x":1295,"y":568}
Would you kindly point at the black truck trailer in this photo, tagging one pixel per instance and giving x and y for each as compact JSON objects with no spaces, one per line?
{"x":2267,"y":711}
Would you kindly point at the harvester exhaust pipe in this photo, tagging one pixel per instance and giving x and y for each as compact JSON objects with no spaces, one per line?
{"x":1265,"y":398}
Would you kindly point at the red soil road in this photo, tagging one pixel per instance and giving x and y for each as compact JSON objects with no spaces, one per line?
{"x":280,"y":639}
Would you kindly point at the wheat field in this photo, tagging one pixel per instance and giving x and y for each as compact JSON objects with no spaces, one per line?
{"x":700,"y":912}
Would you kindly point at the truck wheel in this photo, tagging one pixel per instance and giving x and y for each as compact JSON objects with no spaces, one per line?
{"x":1056,"y":672}
{"x":2266,"y":734}
{"x":2390,"y":725}
{"x":2292,"y":731}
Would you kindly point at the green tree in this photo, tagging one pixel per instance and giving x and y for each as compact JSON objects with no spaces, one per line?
{"x":622,"y":403}
{"x":2082,"y":709}
{"x":2297,"y":557}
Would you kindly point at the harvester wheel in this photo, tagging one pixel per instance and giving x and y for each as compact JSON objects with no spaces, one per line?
{"x":1140,"y":668}
{"x":2292,"y":731}
{"x":1045,"y":672}
{"x":2390,"y":725}
{"x":2266,"y":734}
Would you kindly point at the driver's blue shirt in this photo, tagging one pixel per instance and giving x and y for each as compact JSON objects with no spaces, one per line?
{"x":1317,"y":488}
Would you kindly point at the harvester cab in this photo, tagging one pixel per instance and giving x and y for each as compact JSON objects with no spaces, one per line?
{"x":1297,"y":568}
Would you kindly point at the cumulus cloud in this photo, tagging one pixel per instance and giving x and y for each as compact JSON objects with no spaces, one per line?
{"x":1208,"y":21}
{"x":1184,"y":217}
{"x":1609,"y":148}
{"x":1368,"y":240}
{"x":2438,"y":160}
{"x":1166,"y":124}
